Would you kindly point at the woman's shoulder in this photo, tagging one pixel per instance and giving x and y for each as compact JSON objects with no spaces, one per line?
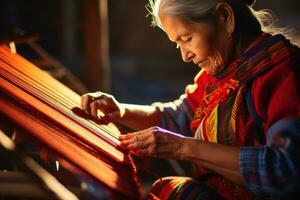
{"x":287,"y":69}
{"x":276,"y":93}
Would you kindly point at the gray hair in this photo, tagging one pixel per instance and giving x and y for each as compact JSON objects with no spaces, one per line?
{"x":193,"y":10}
{"x":247,"y":18}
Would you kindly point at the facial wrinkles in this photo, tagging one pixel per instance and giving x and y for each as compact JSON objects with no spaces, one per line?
{"x":186,"y":49}
{"x":223,"y":48}
{"x":203,"y":46}
{"x":215,"y":51}
{"x":202,"y":43}
{"x":181,"y":35}
{"x":217,"y":55}
{"x":178,"y":31}
{"x":195,"y":42}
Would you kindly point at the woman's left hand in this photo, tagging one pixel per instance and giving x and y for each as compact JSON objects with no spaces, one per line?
{"x":154,"y":142}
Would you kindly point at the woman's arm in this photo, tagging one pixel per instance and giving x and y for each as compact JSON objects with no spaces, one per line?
{"x":158,"y":142}
{"x":175,"y":115}
{"x":139,"y":117}
{"x":272,"y":169}
{"x":219,"y":158}
{"x":107,"y":109}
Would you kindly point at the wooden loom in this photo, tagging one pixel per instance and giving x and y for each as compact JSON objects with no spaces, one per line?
{"x":45,"y":109}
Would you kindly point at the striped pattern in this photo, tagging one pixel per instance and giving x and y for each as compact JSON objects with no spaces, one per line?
{"x":219,"y":107}
{"x":182,"y":188}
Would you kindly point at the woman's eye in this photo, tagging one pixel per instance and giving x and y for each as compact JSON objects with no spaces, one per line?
{"x":186,"y":39}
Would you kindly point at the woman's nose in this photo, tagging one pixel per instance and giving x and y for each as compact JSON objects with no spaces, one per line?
{"x":187,"y":55}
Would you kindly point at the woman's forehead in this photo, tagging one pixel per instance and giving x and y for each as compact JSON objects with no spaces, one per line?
{"x":176,"y":26}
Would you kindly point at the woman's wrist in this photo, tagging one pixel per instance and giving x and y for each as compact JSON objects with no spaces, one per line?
{"x":139,"y":117}
{"x":189,"y":146}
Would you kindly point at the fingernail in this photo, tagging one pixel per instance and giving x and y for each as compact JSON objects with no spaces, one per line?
{"x":123,"y":143}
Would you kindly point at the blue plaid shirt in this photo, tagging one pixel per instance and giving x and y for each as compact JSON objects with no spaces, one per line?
{"x":274,"y":168}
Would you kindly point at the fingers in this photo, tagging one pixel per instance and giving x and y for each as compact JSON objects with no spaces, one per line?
{"x":101,"y":106}
{"x":85,"y":102}
{"x":131,"y":139}
{"x":155,"y":142}
{"x":152,"y":150}
{"x":137,"y":141}
{"x":126,"y":137}
{"x":88,"y":98}
{"x":149,"y":135}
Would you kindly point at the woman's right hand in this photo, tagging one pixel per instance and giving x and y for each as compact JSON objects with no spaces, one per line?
{"x":102,"y":106}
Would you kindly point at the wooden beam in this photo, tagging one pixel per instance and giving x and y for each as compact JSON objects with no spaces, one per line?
{"x":96,"y":43}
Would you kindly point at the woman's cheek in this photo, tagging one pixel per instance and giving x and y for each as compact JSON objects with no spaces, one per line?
{"x":219,"y":59}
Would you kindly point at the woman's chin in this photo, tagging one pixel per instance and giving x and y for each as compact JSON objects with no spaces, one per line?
{"x":212,"y":70}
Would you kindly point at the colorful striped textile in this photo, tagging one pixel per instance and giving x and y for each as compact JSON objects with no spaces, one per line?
{"x":182,"y":188}
{"x":215,"y":116}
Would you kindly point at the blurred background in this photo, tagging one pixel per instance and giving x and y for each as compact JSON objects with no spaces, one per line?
{"x":139,"y":64}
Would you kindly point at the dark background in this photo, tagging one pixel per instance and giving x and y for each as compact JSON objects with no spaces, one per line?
{"x":145,"y":66}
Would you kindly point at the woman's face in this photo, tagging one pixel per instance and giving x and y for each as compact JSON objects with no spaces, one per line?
{"x":202,"y":43}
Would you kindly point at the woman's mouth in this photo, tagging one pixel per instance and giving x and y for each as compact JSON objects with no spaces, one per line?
{"x":201,"y":62}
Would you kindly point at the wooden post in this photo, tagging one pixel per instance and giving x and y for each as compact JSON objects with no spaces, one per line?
{"x":96,"y":43}
{"x":68,"y":30}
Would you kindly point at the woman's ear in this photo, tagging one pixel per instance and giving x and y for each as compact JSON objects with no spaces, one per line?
{"x":226,"y":15}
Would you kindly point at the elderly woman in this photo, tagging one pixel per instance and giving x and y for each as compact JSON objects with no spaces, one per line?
{"x":240,"y":120}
